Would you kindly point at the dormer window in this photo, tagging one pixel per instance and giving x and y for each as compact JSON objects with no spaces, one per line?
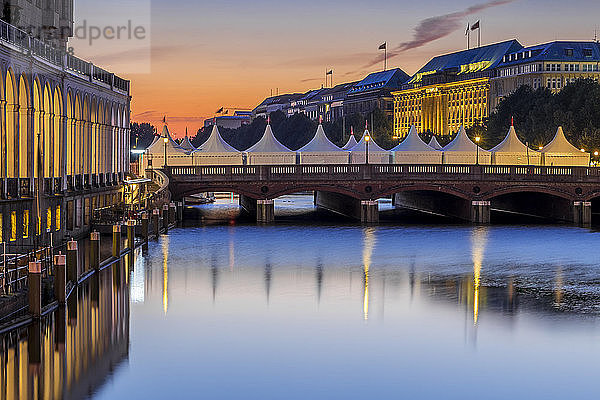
{"x":587,"y":52}
{"x":568,"y":52}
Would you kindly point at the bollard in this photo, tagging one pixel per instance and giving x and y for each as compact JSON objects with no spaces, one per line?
{"x":34,"y":281}
{"x":179,"y":211}
{"x":145,"y":232}
{"x":95,"y":251}
{"x":165,"y":217}
{"x":116,"y":249}
{"x":156,"y":221}
{"x":72,"y":261}
{"x":60,"y":278}
{"x":172,"y":213}
{"x":131,"y":234}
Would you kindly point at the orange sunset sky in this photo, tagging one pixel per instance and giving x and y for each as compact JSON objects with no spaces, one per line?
{"x":197,"y":56}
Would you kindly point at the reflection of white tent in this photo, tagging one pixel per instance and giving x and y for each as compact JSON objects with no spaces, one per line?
{"x":463,"y":151}
{"x":413,"y":150}
{"x":216,"y":151}
{"x":562,"y":153}
{"x":351,"y":142}
{"x":155,"y":153}
{"x":511,"y":151}
{"x":320,"y":150}
{"x":377,"y":155}
{"x":434,"y":144}
{"x":268,"y":151}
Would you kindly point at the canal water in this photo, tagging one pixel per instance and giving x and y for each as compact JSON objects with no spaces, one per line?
{"x":225,"y":309}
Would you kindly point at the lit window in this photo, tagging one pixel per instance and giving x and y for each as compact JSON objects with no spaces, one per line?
{"x":57,"y":224}
{"x":49,"y":220}
{"x":25,"y":224}
{"x":13,"y":226}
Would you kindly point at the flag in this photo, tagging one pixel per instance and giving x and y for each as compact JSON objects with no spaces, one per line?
{"x":383,"y":46}
{"x":330,"y":72}
{"x":467,"y":32}
{"x":165,"y":120}
{"x":475,"y":25}
{"x":226,"y":112}
{"x":219,"y":111}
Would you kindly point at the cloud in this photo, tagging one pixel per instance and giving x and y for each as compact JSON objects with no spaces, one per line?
{"x":434,"y":28}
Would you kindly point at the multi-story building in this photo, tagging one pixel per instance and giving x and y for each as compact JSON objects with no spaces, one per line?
{"x":47,"y":20}
{"x":64,"y":139}
{"x":552,"y":65}
{"x":375,"y":91}
{"x":450,"y":90}
{"x":331,"y":106}
{"x":235,"y":121}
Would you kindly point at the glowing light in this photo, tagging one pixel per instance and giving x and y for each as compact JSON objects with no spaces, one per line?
{"x":367,"y":138}
{"x":596,"y":153}
{"x":166,"y":140}
{"x":477,"y":139}
{"x":582,"y":150}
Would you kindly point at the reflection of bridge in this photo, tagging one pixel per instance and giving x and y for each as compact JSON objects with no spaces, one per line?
{"x":467,"y":192}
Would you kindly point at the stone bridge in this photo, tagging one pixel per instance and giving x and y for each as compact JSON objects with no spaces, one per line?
{"x":466,"y":192}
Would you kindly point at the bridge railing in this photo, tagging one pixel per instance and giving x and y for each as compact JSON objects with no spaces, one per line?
{"x":383,"y":171}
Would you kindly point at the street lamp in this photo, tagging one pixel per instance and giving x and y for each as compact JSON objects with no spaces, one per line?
{"x":165,"y":141}
{"x":477,"y":139}
{"x":367,"y":140}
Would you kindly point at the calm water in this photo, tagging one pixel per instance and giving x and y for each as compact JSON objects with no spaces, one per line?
{"x":329,"y":310}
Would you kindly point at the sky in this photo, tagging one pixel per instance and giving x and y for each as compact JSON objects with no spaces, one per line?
{"x":188,"y":58}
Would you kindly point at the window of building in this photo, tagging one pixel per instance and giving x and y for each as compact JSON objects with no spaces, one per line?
{"x":569,"y":52}
{"x":25,"y":224}
{"x":576,"y":67}
{"x":548,"y":67}
{"x":13,"y":226}
{"x":49,"y":220}
{"x":587,"y":52}
{"x":549,"y":83}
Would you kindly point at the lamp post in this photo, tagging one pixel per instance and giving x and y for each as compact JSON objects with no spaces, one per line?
{"x":367,"y":140}
{"x":477,"y":139}
{"x":165,"y":141}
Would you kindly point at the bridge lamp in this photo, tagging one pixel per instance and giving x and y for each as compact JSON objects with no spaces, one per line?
{"x":477,"y":140}
{"x":367,"y":140}
{"x":165,"y":141}
{"x":596,"y":153}
{"x":541,"y":148}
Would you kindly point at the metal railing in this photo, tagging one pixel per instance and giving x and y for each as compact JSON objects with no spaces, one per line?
{"x":60,"y":58}
{"x":14,"y":267}
{"x":382,"y":172}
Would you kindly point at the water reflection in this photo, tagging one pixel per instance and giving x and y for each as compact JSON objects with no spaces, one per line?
{"x":368,"y":246}
{"x":165,"y":287}
{"x":71,"y":352}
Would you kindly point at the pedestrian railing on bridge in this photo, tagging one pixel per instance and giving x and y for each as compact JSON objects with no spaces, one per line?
{"x":382,"y":172}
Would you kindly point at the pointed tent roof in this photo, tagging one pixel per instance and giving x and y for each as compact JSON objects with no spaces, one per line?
{"x":434,"y":144}
{"x":319,"y":143}
{"x":413,"y":143}
{"x":157,"y":145}
{"x":510,"y":144}
{"x":268,"y":143}
{"x":186,"y":144}
{"x":560,"y":144}
{"x":350,"y":143}
{"x":462,"y":143}
{"x":216,"y":144}
{"x":373,"y":147}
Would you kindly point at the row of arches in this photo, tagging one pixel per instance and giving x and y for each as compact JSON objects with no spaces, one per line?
{"x":48,"y":130}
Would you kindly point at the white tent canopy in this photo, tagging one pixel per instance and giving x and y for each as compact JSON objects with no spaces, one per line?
{"x":463,"y":151}
{"x":155,"y":153}
{"x":413,"y":150}
{"x":186,"y":144}
{"x":320,"y":150}
{"x":434,"y":144}
{"x":351,"y":142}
{"x":559,"y":152}
{"x":216,"y":151}
{"x":268,"y":151}
{"x":377,"y":155}
{"x":511,"y":151}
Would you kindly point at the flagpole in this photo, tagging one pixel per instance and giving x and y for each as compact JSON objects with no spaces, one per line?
{"x":385,"y":58}
{"x":479,"y":35}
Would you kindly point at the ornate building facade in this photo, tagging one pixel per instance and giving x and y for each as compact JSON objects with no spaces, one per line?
{"x":449,"y":91}
{"x":64,"y":140}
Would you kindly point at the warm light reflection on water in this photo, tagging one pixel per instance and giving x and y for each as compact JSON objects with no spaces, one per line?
{"x":269,"y":312}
